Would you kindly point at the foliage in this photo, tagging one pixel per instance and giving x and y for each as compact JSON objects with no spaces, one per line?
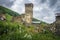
{"x":34,"y":19}
{"x":8,"y":17}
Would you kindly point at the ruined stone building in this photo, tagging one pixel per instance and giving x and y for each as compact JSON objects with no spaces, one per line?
{"x":18,"y":19}
{"x":55,"y":27}
{"x":2,"y":17}
{"x":27,"y":17}
{"x":57,"y":23}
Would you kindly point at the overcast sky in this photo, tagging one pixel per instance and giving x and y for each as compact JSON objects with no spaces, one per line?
{"x":43,"y":9}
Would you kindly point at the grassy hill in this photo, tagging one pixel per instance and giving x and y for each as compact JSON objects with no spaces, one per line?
{"x":34,"y":19}
{"x":8,"y":11}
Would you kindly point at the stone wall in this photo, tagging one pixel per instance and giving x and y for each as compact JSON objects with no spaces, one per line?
{"x":2,"y":17}
{"x":16,"y":19}
{"x":57,"y":25}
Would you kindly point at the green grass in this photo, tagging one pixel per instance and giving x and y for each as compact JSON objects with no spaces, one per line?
{"x":8,"y":11}
{"x":13,"y":31}
{"x":8,"y":17}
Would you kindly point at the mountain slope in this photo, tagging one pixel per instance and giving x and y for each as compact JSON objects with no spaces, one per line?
{"x":8,"y":11}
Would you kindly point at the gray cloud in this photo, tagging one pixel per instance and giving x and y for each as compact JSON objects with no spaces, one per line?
{"x":52,"y":2}
{"x":7,"y":3}
{"x":57,"y":6}
{"x":43,"y":1}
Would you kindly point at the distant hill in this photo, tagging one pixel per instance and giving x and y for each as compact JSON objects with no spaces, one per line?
{"x":34,"y":19}
{"x":8,"y":11}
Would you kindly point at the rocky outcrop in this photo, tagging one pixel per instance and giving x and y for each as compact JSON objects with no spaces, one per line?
{"x":2,"y":17}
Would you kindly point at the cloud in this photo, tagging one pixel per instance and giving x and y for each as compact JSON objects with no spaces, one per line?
{"x":52,"y":3}
{"x":43,"y":1}
{"x":7,"y":3}
{"x":57,"y":6}
{"x":49,"y":19}
{"x":18,"y":6}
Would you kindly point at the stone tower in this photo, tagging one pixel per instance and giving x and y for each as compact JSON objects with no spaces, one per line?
{"x":58,"y":23}
{"x":28,"y":13}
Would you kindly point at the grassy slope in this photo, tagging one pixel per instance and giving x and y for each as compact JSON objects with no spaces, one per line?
{"x":13,"y":31}
{"x":8,"y":11}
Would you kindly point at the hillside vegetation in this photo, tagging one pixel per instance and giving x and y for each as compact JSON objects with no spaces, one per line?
{"x":8,"y":11}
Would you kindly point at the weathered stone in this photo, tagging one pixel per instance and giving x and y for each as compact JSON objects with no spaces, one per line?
{"x":2,"y":17}
{"x":27,"y":17}
{"x":57,"y":24}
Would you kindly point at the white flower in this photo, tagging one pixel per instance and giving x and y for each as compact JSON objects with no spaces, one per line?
{"x":25,"y":35}
{"x":29,"y":36}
